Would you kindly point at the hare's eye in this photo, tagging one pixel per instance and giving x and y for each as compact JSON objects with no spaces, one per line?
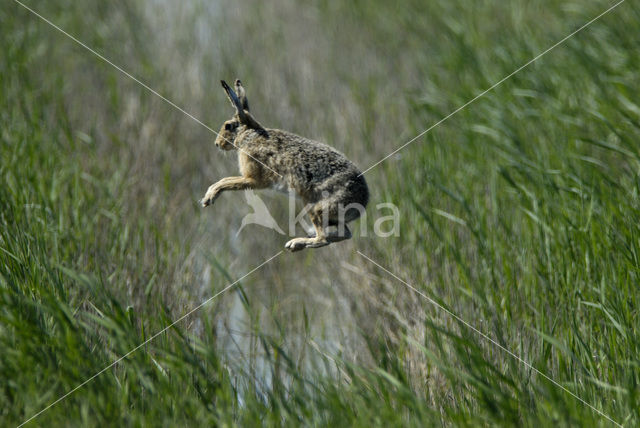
{"x":227,"y":127}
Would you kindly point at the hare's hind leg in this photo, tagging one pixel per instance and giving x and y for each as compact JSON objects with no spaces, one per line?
{"x":319,"y":240}
{"x":341,"y":233}
{"x":297,"y":244}
{"x":333,"y":235}
{"x":322,"y":237}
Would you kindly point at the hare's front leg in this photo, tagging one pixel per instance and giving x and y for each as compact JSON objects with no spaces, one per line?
{"x":228,"y":183}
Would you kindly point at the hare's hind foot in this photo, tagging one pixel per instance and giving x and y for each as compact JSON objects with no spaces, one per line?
{"x":297,"y":244}
{"x":320,"y":240}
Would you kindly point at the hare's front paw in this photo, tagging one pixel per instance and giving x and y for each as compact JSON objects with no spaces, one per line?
{"x":209,"y":197}
{"x":296,"y":244}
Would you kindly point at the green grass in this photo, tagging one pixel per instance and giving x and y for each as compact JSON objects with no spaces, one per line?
{"x":520,"y":214}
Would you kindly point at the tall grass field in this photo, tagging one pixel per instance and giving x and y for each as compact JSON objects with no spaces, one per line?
{"x":510,"y":295}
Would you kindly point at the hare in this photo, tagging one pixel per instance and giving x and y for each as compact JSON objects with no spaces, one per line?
{"x":332,"y":188}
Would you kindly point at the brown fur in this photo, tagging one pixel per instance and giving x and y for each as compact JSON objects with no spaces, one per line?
{"x":323,"y":177}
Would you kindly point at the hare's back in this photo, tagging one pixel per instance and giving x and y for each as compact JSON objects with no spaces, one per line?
{"x":308,"y":160}
{"x":315,"y":170}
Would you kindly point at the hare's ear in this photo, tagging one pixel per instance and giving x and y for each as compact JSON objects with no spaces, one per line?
{"x":243,"y":114}
{"x":235,"y":101}
{"x":242,"y":95}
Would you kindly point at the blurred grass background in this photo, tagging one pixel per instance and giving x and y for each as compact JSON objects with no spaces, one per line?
{"x":520,"y":214}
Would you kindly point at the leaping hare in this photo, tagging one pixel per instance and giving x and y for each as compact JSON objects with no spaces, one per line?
{"x":330,"y":185}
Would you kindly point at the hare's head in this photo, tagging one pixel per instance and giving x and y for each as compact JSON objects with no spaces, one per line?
{"x":240,"y":121}
{"x":227,"y":134}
